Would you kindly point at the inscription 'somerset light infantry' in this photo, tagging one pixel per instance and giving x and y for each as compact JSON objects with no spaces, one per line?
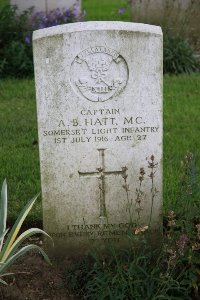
{"x":99,"y":109}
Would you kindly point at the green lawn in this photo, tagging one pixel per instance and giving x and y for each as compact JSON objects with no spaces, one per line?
{"x":181,"y":130}
{"x":106,"y":10}
{"x":3,"y":2}
{"x":19,"y":161}
{"x":19,"y":158}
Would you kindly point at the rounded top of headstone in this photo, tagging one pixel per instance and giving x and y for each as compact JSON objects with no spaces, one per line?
{"x":96,"y":25}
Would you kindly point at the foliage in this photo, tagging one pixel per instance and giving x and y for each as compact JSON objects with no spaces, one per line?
{"x":145,"y":274}
{"x":16,"y":36}
{"x":148,"y":274}
{"x":9,"y":251}
{"x":178,"y":56}
{"x":16,"y":58}
{"x":171,"y":271}
{"x":40,"y":20}
{"x":77,"y":274}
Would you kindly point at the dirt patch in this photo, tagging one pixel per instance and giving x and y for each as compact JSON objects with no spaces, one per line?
{"x":34,"y":279}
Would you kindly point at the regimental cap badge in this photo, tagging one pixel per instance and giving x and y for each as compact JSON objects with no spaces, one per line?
{"x":99,"y":73}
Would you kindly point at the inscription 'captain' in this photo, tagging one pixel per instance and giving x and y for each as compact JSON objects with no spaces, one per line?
{"x":99,"y":73}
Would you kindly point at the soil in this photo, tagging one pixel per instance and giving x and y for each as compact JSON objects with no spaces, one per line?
{"x":35,"y":279}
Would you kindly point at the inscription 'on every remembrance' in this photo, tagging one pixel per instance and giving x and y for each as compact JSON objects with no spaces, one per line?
{"x":99,"y":104}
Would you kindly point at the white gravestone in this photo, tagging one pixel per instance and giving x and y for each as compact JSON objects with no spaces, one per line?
{"x":99,"y":103}
{"x":45,"y":5}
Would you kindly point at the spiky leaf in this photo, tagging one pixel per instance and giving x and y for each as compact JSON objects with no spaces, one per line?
{"x":16,"y":227}
{"x":3,"y":282}
{"x":21,"y":252}
{"x":25,"y":235}
{"x":3,"y":211}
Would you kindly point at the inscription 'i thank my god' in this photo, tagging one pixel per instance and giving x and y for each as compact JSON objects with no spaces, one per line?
{"x":101,"y":174}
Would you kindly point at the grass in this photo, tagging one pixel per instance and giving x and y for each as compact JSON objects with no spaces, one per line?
{"x":3,"y":2}
{"x":106,"y":10}
{"x":181,"y":130}
{"x":19,"y":157}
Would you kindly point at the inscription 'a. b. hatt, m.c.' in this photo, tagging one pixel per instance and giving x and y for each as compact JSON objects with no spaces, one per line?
{"x":99,"y":73}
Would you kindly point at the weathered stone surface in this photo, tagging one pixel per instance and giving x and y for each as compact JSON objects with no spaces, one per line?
{"x":45,"y":5}
{"x":99,"y":102}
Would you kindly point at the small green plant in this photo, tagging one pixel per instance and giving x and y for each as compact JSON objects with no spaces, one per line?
{"x":15,"y":55}
{"x":179,"y":56}
{"x":9,"y":251}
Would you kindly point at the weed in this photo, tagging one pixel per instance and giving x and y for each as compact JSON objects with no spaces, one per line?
{"x":169,"y":271}
{"x":178,"y":55}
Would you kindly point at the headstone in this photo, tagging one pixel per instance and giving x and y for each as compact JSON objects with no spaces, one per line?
{"x":178,"y":16}
{"x":99,"y":106}
{"x":45,"y":5}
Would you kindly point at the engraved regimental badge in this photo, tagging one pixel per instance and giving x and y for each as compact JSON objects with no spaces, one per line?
{"x":99,"y":73}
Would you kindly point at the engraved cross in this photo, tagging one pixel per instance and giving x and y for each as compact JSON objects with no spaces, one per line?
{"x":101,"y":174}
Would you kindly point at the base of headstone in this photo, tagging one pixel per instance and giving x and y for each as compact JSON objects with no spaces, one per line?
{"x":131,"y":244}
